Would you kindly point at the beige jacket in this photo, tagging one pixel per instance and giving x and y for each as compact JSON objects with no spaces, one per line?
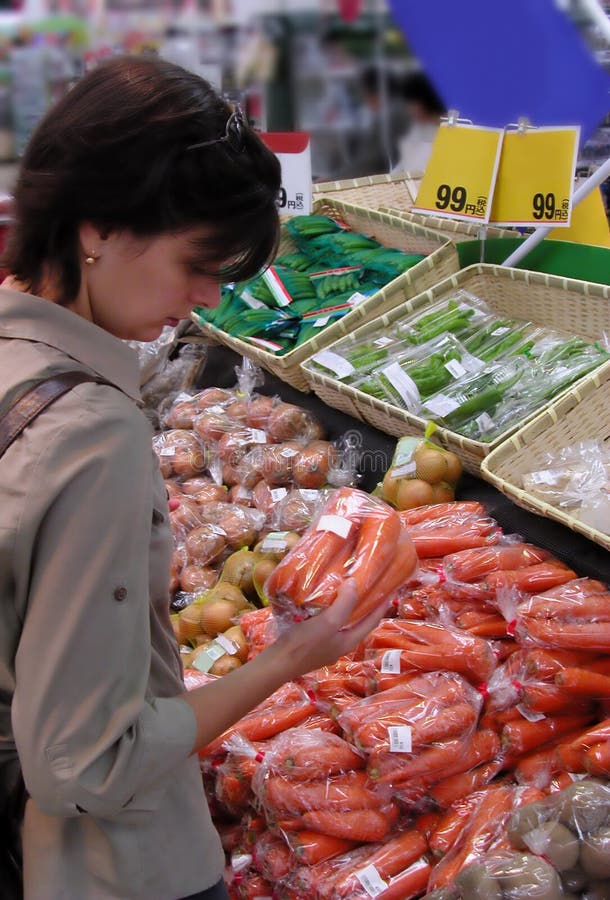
{"x":87,"y":652}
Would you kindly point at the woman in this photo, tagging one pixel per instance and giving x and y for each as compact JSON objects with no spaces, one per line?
{"x":138,"y":194}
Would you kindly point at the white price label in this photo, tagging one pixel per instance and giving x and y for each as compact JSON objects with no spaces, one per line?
{"x":400,"y":738}
{"x":529,"y":714}
{"x":182,"y":397}
{"x":206,"y":659}
{"x":383,"y":341}
{"x":406,"y":471}
{"x":356,"y":299}
{"x":320,"y":323}
{"x":371,"y":881}
{"x":336,"y":524}
{"x":288,"y":453}
{"x":485,"y":423}
{"x":167,"y":451}
{"x":498,"y":332}
{"x":251,"y":300}
{"x":217,"y":410}
{"x":275,"y":540}
{"x":258,"y":436}
{"x":240,"y":861}
{"x":455,"y":368}
{"x":333,"y":361}
{"x":390,"y":662}
{"x":441,"y":405}
{"x":472,"y":363}
{"x":309,"y":494}
{"x":405,"y":386}
{"x":542,"y":477}
{"x":278,"y":494}
{"x":227,"y":645}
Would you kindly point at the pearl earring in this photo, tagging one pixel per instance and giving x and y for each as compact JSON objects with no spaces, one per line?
{"x":89,"y":260}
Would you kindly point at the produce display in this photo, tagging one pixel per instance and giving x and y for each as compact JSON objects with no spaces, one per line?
{"x":462,"y":365}
{"x":246,"y":475}
{"x":577,"y":480}
{"x":421,"y":473}
{"x":451,"y":755}
{"x":296,"y":298}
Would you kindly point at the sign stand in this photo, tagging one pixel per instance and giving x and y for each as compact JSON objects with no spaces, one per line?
{"x":539,"y":234}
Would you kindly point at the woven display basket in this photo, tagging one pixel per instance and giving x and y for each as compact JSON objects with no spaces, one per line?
{"x":581,"y":414}
{"x":392,"y":232}
{"x":395,"y":194}
{"x":570,"y":306}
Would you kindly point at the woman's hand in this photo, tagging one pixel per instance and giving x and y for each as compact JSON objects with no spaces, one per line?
{"x":316,"y":642}
{"x":322,"y":639}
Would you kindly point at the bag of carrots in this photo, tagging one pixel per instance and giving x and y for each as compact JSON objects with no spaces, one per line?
{"x":399,"y":646}
{"x":356,"y":537}
{"x":394,"y":870}
{"x":473,"y":827}
{"x":572,"y":616}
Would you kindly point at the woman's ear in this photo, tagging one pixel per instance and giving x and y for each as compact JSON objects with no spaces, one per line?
{"x":92,"y":238}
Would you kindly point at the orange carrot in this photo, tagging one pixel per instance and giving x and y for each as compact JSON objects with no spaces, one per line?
{"x":540,"y":577}
{"x":594,"y":636}
{"x":547,"y":663}
{"x":447,"y":759}
{"x":496,"y":720}
{"x":410,"y":883}
{"x":452,"y":824}
{"x":551,"y":700}
{"x":601,"y":665}
{"x":426,"y":823}
{"x":597,"y":759}
{"x":375,"y":549}
{"x":340,"y":792}
{"x":598,"y":734}
{"x":426,"y":728}
{"x":272,"y":857}
{"x":570,"y":757}
{"x":362,"y":825}
{"x":397,"y":572}
{"x":446,"y":792}
{"x":583,"y":683}
{"x":521,"y":737}
{"x":311,"y":847}
{"x":439,"y":510}
{"x":471,"y":565}
{"x":450,"y":540}
{"x":317,"y":759}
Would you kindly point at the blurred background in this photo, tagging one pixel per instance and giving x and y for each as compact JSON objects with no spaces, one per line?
{"x":338,"y":69}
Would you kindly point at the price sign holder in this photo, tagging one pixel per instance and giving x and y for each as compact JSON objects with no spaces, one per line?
{"x":294,"y":153}
{"x":460,"y":177}
{"x":534,"y":185}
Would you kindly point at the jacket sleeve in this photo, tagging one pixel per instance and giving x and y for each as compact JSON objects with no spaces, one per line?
{"x":89,"y":737}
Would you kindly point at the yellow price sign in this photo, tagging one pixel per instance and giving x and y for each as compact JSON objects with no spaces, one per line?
{"x":535,"y":179}
{"x":460,"y":176}
{"x":589,"y":224}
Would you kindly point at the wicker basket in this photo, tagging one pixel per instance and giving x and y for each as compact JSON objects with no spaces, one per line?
{"x":441,"y":262}
{"x":573,"y":307}
{"x":581,"y":414}
{"x":394,"y":194}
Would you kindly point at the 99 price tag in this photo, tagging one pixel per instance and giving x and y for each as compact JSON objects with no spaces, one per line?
{"x":460,"y":177}
{"x":536,"y":177}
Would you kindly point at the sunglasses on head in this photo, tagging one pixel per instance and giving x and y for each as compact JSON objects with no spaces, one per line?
{"x":234,"y":135}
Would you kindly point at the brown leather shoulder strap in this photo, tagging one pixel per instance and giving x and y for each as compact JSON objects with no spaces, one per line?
{"x":35,"y":400}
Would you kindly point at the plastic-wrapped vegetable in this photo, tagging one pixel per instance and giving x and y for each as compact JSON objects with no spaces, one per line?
{"x":572,"y":616}
{"x":355,"y":537}
{"x":394,"y":870}
{"x":505,"y":876}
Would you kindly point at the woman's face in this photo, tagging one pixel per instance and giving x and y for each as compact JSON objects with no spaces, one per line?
{"x":137,"y":286}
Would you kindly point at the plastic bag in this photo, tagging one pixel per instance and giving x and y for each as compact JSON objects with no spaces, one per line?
{"x":576,"y":479}
{"x":180,"y":454}
{"x":474,"y":827}
{"x":397,"y":725}
{"x":395,"y":869}
{"x":572,"y":616}
{"x":398,"y":646}
{"x":355,"y":536}
{"x":420,"y":471}
{"x":296,"y":509}
{"x":512,"y":876}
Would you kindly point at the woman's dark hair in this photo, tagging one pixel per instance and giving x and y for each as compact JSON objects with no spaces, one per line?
{"x":418,"y":88}
{"x":114,"y":152}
